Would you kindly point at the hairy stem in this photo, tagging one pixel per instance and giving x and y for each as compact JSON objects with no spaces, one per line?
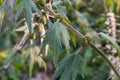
{"x":81,"y":36}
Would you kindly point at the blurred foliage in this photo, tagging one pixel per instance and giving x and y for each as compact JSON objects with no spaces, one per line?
{"x":72,"y":59}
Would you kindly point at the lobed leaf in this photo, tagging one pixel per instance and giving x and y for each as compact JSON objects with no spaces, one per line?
{"x":32,"y":53}
{"x":57,"y":36}
{"x":27,"y":6}
{"x":69,"y":67}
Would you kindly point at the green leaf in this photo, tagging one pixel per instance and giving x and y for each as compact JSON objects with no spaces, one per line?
{"x":17,"y":4}
{"x":87,"y":57}
{"x":34,"y":7}
{"x":73,"y":37}
{"x":69,"y":67}
{"x":105,"y":36}
{"x":27,"y":6}
{"x":61,"y":10}
{"x":57,"y":36}
{"x":81,"y":19}
{"x":28,"y":15}
{"x":19,"y":10}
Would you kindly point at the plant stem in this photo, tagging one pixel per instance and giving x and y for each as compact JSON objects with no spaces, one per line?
{"x":81,"y":36}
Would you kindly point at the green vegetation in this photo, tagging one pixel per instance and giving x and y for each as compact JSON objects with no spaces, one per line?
{"x":59,"y":39}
